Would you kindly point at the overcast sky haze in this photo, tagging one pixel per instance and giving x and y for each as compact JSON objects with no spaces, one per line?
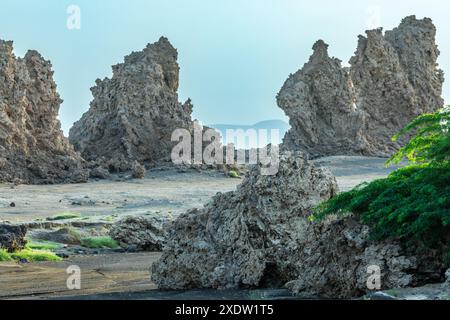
{"x":234,"y":55}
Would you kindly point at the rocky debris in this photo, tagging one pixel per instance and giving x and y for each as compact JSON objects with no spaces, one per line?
{"x":100,"y":173}
{"x":140,"y":233}
{"x":262,"y":235}
{"x":82,"y":201}
{"x":393,"y":78}
{"x":246,"y":237}
{"x":33,"y":148}
{"x":12,"y":237}
{"x":133,"y":114}
{"x":63,"y":235}
{"x":138,"y":170}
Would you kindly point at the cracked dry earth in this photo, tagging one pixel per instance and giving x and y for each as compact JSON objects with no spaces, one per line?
{"x":107,"y":275}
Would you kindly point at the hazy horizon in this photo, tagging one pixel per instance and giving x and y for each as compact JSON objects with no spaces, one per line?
{"x":234,"y":55}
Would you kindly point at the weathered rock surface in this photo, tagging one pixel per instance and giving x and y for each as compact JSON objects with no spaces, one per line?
{"x":261,"y":236}
{"x":245,"y":237}
{"x":63,"y":235}
{"x":140,"y":233}
{"x":138,"y":170}
{"x":393,"y":78}
{"x":337,"y":258}
{"x":133,"y":114}
{"x":32,"y":146}
{"x":12,"y":237}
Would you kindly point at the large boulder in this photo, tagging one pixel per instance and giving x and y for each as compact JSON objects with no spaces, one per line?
{"x":246,"y":237}
{"x":392,"y":78}
{"x":263,"y":235}
{"x":142,"y":233}
{"x":12,"y":237}
{"x":133,"y":114}
{"x":33,"y":148}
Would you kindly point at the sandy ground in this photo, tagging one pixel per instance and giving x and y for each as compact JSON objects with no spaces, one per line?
{"x":168,"y":191}
{"x":120,"y":275}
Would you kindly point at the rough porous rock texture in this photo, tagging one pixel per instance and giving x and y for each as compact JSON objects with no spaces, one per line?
{"x":140,"y":233}
{"x":393,"y":78}
{"x":261,"y":235}
{"x":33,"y":148}
{"x":337,"y":259}
{"x":245,"y":237}
{"x":134,"y":113}
{"x":12,"y":237}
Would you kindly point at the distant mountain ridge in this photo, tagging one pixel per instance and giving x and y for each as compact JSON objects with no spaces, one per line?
{"x":267,"y":125}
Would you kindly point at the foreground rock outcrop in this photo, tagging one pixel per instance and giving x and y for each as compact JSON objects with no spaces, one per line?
{"x":245,"y":237}
{"x":12,"y":237}
{"x":393,"y":78}
{"x":33,"y":148}
{"x":261,"y":235}
{"x":133,"y":114}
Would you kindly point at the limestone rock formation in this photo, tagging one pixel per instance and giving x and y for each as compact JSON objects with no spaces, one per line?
{"x":261,"y":235}
{"x":134,"y":113}
{"x":12,"y":237}
{"x":32,"y":146}
{"x":245,"y":237}
{"x":140,"y":233}
{"x":393,"y":78}
{"x":320,"y":101}
{"x":337,"y":259}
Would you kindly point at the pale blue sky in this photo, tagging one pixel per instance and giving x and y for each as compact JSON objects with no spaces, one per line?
{"x":234,"y":55}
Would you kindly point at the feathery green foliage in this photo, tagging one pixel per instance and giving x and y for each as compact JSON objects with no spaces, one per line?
{"x":431,"y":141}
{"x":413,"y":203}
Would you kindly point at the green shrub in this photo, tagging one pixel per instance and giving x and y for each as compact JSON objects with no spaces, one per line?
{"x":234,"y":174}
{"x":413,"y":203}
{"x":99,"y":242}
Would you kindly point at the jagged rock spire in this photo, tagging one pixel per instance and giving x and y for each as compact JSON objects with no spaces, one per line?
{"x":393,"y":78}
{"x":32,"y":146}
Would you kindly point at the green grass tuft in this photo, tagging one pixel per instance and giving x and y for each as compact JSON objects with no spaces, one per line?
{"x":35,"y":255}
{"x":43,"y":245}
{"x":64,"y":216}
{"x":99,"y":242}
{"x":4,"y":256}
{"x":234,"y":174}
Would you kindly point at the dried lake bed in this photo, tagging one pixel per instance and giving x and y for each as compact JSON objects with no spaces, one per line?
{"x":115,"y":274}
